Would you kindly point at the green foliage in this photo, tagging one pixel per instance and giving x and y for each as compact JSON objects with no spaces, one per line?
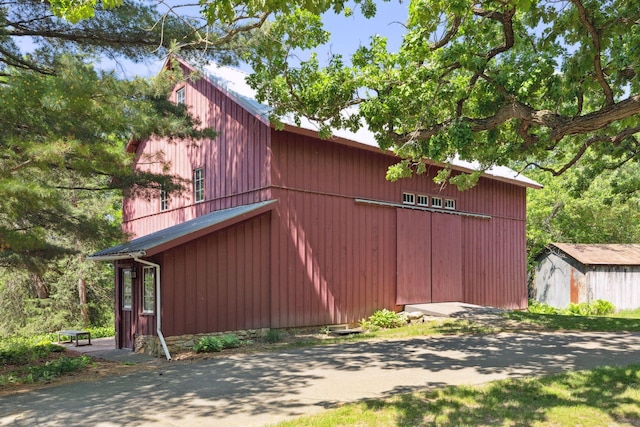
{"x":47,"y":371}
{"x":145,"y":31}
{"x":102,"y":331}
{"x":63,"y":152}
{"x":230,"y":341}
{"x":208,"y":344}
{"x":63,"y":164}
{"x":580,"y":207}
{"x":273,"y":336}
{"x":592,"y":308}
{"x":24,"y":314}
{"x":497,"y":82}
{"x":383,"y":319}
{"x":541,"y":308}
{"x":21,"y":351}
{"x":75,"y":11}
{"x":217,"y":343}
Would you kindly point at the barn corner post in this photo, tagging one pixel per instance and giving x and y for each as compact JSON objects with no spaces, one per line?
{"x":158,"y":305}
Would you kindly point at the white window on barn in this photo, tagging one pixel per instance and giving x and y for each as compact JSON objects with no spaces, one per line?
{"x":127,"y":290}
{"x":436,"y":202}
{"x":423,"y":200}
{"x":148,"y":290}
{"x":449,"y":204}
{"x":164,"y":200}
{"x":408,"y":198}
{"x":198,"y":185}
{"x":180,"y":96}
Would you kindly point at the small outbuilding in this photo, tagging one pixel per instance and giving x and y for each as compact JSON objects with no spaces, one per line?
{"x":575,"y":273}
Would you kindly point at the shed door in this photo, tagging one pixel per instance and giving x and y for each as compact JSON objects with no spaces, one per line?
{"x":429,"y":257}
{"x":414,"y":257}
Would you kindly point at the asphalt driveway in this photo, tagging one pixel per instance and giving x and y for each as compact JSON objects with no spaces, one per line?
{"x":253,"y":390}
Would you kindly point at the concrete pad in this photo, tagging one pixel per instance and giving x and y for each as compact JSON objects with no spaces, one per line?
{"x":451,"y":309}
{"x":105,"y":348}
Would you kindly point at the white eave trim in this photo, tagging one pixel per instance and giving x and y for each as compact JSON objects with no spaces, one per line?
{"x":117,"y":257}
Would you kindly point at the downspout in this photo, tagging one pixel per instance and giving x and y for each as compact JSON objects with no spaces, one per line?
{"x":158,"y":305}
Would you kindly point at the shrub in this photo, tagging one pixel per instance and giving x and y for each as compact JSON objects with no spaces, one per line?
{"x":384,"y":319}
{"x":273,"y":336}
{"x":102,"y":331}
{"x":541,"y":308}
{"x":602,"y":307}
{"x":592,"y":308}
{"x":47,"y":371}
{"x":230,"y":341}
{"x":207,"y":344}
{"x":215,"y":343}
{"x":20,"y":351}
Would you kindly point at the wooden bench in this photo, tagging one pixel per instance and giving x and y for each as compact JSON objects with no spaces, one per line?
{"x":72,"y":333}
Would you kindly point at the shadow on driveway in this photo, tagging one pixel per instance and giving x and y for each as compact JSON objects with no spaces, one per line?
{"x":264,"y":388}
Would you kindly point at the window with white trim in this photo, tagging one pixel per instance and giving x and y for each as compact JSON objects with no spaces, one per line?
{"x":423,"y":200}
{"x":148,"y":290}
{"x":180,"y":96}
{"x":198,"y":185}
{"x":164,"y":200}
{"x":449,"y":204}
{"x":408,"y":198}
{"x":436,"y":202}
{"x":127,"y":289}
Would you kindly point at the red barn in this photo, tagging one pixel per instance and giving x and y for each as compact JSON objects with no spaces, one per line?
{"x":283,"y":229}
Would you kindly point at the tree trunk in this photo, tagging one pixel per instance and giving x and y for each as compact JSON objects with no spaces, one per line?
{"x":82,"y":293}
{"x":40,"y":287}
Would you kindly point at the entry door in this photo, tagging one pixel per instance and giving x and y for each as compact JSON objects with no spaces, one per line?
{"x":429,"y":257}
{"x":126,"y":321}
{"x":446,"y":258}
{"x":414,"y":256}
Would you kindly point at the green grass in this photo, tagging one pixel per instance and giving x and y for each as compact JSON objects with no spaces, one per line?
{"x":628,"y":314}
{"x":602,"y":396}
{"x":435,"y":327}
{"x":615,"y":322}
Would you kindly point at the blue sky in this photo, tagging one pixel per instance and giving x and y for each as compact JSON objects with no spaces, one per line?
{"x":347,"y":34}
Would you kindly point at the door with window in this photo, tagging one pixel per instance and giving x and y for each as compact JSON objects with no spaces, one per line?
{"x":127,"y":318}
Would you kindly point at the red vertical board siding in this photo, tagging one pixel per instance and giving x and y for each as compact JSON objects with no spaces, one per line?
{"x":414,"y":257}
{"x":446,"y":258}
{"x":325,"y":266}
{"x":338,"y":259}
{"x":319,"y":257}
{"x":229,"y":280}
{"x":234,"y":163}
{"x":201,"y":267}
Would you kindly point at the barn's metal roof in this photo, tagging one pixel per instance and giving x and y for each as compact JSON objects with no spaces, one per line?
{"x":233,"y":82}
{"x":602,"y":254}
{"x":180,"y":233}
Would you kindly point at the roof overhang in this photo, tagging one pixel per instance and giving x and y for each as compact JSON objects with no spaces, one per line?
{"x":162,"y":240}
{"x":597,"y":254}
